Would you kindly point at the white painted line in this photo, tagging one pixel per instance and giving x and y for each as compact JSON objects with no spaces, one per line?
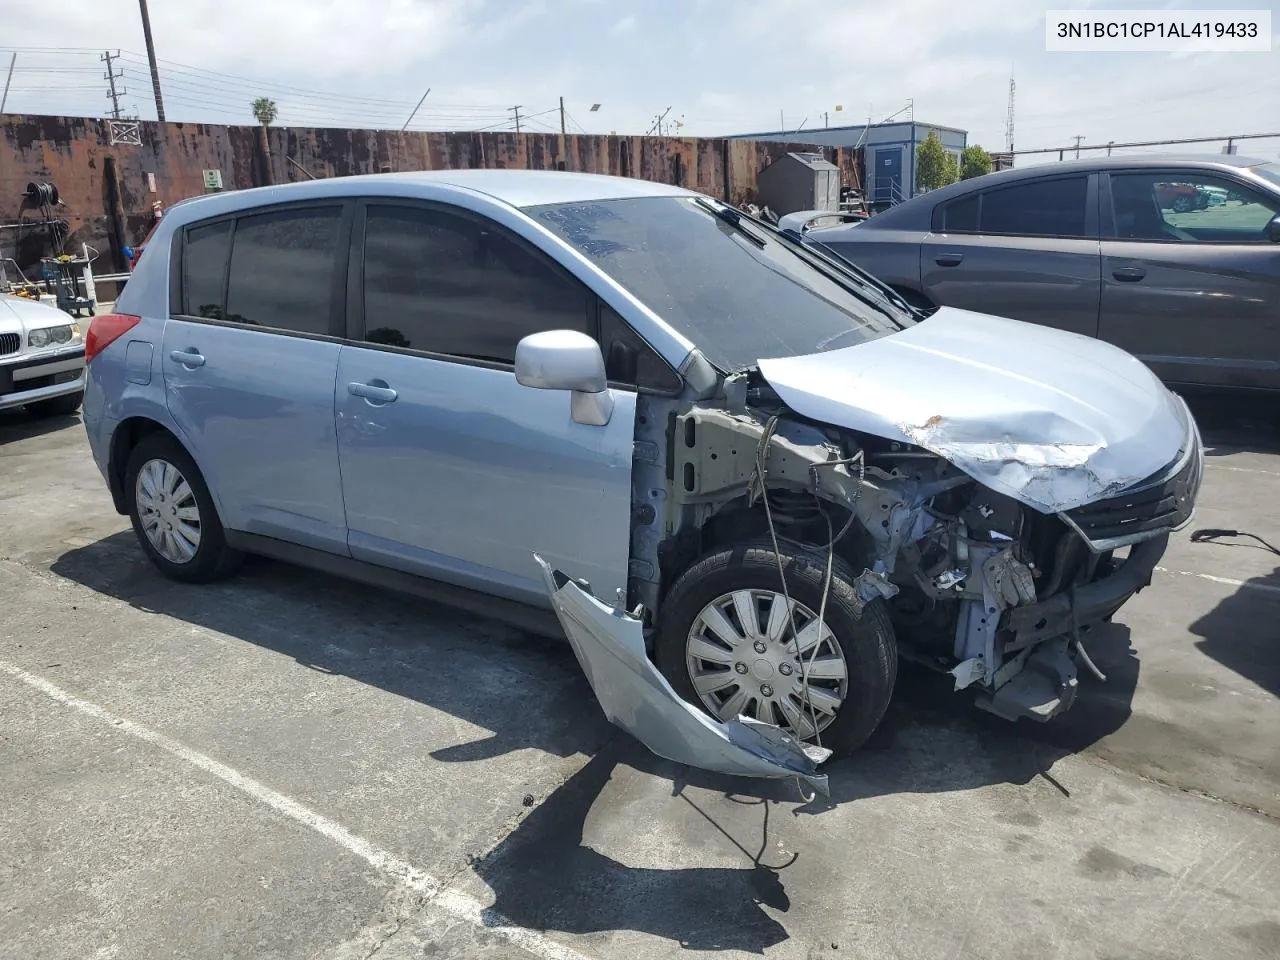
{"x":1228,"y":581}
{"x":454,"y":902}
{"x":1222,"y":466}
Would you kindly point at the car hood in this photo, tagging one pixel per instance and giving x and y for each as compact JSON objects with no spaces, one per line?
{"x":18,"y":314}
{"x":1053,"y":419}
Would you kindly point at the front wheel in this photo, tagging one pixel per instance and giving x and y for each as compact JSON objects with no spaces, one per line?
{"x":724,"y":644}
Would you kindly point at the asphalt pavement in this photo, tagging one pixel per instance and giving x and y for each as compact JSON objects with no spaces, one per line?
{"x":287,"y":765}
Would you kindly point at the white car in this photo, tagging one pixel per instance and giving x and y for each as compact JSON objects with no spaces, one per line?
{"x":41,"y":358}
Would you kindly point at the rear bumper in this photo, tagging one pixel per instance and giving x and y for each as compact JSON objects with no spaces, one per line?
{"x":41,"y":378}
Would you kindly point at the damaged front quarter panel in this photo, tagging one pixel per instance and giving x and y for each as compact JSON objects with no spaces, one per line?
{"x":609,"y":645}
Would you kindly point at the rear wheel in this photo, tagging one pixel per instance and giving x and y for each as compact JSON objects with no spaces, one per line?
{"x":173,"y":514}
{"x":63,"y":406}
{"x":725,"y":645}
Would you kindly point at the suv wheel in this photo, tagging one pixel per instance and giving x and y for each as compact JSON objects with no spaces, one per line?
{"x":724,"y":645}
{"x":173,"y":514}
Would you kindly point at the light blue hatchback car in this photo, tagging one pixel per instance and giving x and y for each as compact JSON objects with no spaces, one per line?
{"x":740,"y":474}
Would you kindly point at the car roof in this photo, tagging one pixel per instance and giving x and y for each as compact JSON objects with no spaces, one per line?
{"x":915,"y":213}
{"x":516,"y":188}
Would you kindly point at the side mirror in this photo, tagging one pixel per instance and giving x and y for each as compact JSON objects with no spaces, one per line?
{"x":567,"y":360}
{"x":1273,"y":230}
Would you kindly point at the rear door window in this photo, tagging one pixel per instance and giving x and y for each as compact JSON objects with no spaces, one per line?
{"x":1041,"y":208}
{"x":284,"y":270}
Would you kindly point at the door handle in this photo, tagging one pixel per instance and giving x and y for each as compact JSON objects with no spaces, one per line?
{"x":1129,"y":274}
{"x":948,"y":259}
{"x":376,"y":392}
{"x":188,"y":358}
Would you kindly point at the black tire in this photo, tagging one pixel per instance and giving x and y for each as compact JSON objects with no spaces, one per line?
{"x":212,"y":559}
{"x":1183,"y":204}
{"x":63,"y":406}
{"x":866,"y":640}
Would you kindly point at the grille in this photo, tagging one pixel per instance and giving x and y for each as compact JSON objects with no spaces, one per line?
{"x":9,"y":343}
{"x":1147,"y":509}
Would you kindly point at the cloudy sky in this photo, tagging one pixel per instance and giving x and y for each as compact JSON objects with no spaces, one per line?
{"x":722,"y":66}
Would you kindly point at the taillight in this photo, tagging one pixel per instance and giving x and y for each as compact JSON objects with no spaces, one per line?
{"x":106,"y":329}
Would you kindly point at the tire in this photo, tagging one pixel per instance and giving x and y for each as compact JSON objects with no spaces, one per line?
{"x":208,"y":558}
{"x":63,"y":406}
{"x":1182,"y":204}
{"x":865,"y":641}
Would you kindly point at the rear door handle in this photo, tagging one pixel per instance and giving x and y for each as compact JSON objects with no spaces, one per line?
{"x":948,"y":259}
{"x":376,"y":392}
{"x":188,"y":358}
{"x":1129,"y":274}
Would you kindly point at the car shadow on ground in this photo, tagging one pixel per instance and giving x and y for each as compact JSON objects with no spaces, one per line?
{"x":543,"y":874}
{"x":1243,"y":632}
{"x":1232,"y":421}
{"x":18,"y":425}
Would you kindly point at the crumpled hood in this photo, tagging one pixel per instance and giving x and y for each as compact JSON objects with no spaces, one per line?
{"x":1053,"y":419}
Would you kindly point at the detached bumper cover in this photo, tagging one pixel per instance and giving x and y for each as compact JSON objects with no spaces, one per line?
{"x":609,"y":645}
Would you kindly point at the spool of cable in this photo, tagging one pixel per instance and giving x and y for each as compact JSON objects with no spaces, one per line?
{"x":43,"y":193}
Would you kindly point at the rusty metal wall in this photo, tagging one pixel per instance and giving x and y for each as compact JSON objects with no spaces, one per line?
{"x":72,"y":152}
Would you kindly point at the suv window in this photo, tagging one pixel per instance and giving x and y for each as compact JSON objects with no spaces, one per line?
{"x":1188,"y":208}
{"x":448,"y":284}
{"x":283,"y":270}
{"x":1042,"y":208}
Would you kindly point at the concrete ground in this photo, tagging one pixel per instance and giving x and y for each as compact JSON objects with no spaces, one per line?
{"x":286,"y":765}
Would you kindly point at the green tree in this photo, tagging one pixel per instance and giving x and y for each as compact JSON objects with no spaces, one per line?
{"x":264,"y":110}
{"x":935,"y":165}
{"x":974,"y":162}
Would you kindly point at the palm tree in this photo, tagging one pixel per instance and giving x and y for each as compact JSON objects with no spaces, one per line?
{"x":264,"y":110}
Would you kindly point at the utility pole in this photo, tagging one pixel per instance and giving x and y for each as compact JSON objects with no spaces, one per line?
{"x":562,"y":129}
{"x":111,"y":77}
{"x":7,"y":80}
{"x":824,"y":119}
{"x":151,"y":56}
{"x":1008,"y":123}
{"x":1077,"y":139}
{"x":516,"y":110}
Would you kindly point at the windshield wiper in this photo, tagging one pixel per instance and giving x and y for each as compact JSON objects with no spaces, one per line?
{"x":731,"y":217}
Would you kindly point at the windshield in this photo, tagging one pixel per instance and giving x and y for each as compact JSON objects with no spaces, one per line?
{"x":741,"y":294}
{"x":1268,"y":171}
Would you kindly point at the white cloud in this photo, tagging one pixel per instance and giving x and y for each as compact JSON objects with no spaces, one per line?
{"x":625,"y":25}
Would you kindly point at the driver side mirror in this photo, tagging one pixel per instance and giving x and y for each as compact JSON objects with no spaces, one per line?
{"x":1273,"y":230}
{"x":567,"y":360}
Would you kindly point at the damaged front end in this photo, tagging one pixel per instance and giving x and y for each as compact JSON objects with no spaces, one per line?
{"x":994,"y":552}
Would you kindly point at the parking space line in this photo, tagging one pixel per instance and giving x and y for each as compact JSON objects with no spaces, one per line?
{"x":1228,"y":581}
{"x":451,"y":901}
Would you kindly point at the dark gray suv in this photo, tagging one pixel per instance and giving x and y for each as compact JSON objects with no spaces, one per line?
{"x":1175,"y":259}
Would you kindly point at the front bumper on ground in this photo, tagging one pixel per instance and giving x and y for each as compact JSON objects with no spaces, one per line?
{"x":43,"y":377}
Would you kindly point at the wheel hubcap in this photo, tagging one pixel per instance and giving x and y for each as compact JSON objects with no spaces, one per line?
{"x":744,"y":659}
{"x":167,"y":511}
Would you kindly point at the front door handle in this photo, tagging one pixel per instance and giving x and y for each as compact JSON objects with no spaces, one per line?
{"x":948,"y":259}
{"x":375,"y":392}
{"x":188,"y":358}
{"x":1129,"y":274}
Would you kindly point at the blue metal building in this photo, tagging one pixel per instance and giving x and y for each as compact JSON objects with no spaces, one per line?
{"x":889,"y":151}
